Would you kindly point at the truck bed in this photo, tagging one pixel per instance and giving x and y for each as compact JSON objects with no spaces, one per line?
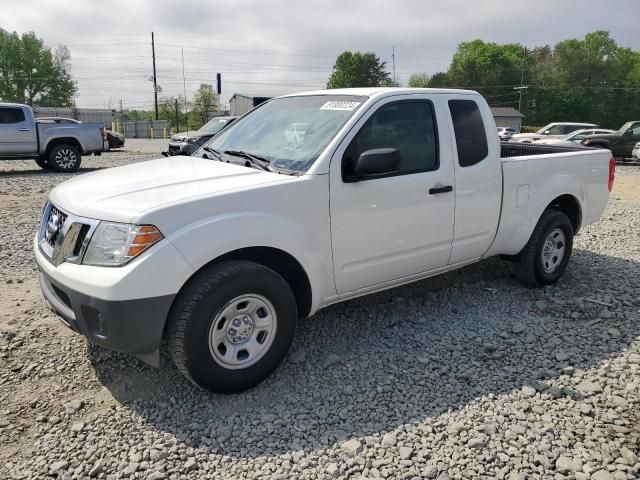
{"x":534,"y":175}
{"x":513,"y":149}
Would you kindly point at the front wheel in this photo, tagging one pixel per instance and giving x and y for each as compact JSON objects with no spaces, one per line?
{"x":232,"y":326}
{"x":64,"y":158}
{"x":42,"y":163}
{"x":545,"y":257}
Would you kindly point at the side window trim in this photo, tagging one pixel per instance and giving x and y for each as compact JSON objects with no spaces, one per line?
{"x":400,"y":173}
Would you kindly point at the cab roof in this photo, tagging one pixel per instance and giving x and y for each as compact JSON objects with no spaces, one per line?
{"x":382,"y":91}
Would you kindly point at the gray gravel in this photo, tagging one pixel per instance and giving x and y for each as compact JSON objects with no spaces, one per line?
{"x":467,"y":375}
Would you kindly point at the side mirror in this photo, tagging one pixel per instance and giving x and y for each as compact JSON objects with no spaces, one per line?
{"x":629,"y":132}
{"x":546,"y":132}
{"x":377,"y":162}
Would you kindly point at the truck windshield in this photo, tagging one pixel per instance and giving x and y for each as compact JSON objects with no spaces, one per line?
{"x":289,"y":132}
{"x":214,"y":126}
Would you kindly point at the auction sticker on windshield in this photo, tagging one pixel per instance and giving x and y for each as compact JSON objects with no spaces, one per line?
{"x":337,"y":105}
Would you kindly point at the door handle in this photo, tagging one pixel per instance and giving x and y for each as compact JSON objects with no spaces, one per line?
{"x":24,"y":129}
{"x":436,"y":190}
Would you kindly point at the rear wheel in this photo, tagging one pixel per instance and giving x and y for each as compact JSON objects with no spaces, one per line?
{"x":64,"y":158}
{"x":232,"y":325}
{"x":545,"y":257}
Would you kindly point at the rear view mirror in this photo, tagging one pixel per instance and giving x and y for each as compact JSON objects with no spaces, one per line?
{"x":377,"y":162}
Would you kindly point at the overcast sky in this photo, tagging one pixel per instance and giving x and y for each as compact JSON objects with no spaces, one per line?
{"x":281,"y":46}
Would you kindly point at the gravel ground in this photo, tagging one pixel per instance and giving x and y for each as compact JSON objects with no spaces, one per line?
{"x":467,"y":375}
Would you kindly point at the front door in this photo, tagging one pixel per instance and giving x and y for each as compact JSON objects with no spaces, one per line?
{"x":16,"y":132}
{"x":400,"y":224}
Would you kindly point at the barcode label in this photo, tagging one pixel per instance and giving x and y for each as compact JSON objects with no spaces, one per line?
{"x":335,"y":105}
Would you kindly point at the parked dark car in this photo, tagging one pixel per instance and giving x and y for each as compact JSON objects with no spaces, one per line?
{"x":115,"y":139}
{"x":188,"y":142}
{"x":621,"y":143}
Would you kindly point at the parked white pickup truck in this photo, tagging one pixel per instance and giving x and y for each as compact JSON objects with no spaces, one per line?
{"x":221,"y":253}
{"x":58,"y":146}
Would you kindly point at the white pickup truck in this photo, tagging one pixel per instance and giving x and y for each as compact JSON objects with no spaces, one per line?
{"x":220,"y":253}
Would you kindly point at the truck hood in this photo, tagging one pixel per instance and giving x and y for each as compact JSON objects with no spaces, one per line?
{"x":183,"y":136}
{"x":125,"y":194}
{"x":604,"y":136}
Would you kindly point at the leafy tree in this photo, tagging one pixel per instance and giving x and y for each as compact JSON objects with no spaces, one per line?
{"x":490,"y":68}
{"x":439,"y":80}
{"x":355,"y":69}
{"x":205,"y":101}
{"x":419,"y":80}
{"x":590,"y":79}
{"x":31,"y":73}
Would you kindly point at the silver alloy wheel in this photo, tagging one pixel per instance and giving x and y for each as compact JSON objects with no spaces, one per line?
{"x":242,"y":331}
{"x":553,"y":250}
{"x":66,"y":158}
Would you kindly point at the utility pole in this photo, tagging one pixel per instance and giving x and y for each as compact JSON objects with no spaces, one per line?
{"x":121,"y":118}
{"x":177,"y":117}
{"x":393,"y":59}
{"x":522,"y":86}
{"x":155,"y":83}
{"x":184,"y":87}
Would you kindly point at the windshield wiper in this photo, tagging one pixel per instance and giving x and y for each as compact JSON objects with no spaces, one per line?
{"x":215,"y":152}
{"x":255,"y":160}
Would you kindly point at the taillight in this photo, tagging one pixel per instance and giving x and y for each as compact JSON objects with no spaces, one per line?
{"x":612,"y":173}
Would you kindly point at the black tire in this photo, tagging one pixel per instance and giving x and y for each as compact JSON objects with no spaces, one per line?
{"x":42,"y":163}
{"x":210,"y":292}
{"x":64,"y":158}
{"x":532,"y":268}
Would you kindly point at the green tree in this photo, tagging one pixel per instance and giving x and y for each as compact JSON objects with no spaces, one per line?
{"x":591,"y":79}
{"x":490,"y":68}
{"x":439,"y":80}
{"x":419,"y":80}
{"x":167,"y":111}
{"x":205,"y":101}
{"x":355,"y":69}
{"x":31,"y":73}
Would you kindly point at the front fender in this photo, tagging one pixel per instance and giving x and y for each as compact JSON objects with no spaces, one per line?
{"x":202,"y":242}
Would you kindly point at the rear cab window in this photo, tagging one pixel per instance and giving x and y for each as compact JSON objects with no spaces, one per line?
{"x":471,"y":137}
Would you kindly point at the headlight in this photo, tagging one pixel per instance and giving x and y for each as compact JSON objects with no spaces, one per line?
{"x":115,"y":244}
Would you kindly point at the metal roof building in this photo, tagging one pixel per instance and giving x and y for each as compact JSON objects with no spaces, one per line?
{"x":507,"y":117}
{"x":240,"y":103}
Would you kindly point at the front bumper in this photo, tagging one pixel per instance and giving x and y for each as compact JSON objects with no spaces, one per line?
{"x":130,"y":326}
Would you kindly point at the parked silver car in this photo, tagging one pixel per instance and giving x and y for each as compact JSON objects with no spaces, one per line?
{"x":574,"y":138}
{"x":505,"y":133}
{"x":553,"y":130}
{"x":636,"y":152}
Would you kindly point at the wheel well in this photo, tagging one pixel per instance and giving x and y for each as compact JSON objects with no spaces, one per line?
{"x":63,"y":141}
{"x":282,"y":263}
{"x":569,"y":205}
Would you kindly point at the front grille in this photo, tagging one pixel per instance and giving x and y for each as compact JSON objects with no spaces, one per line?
{"x":64,"y":237}
{"x":55,"y":224}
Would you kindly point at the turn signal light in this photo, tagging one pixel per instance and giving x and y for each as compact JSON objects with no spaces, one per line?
{"x":146,"y":236}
